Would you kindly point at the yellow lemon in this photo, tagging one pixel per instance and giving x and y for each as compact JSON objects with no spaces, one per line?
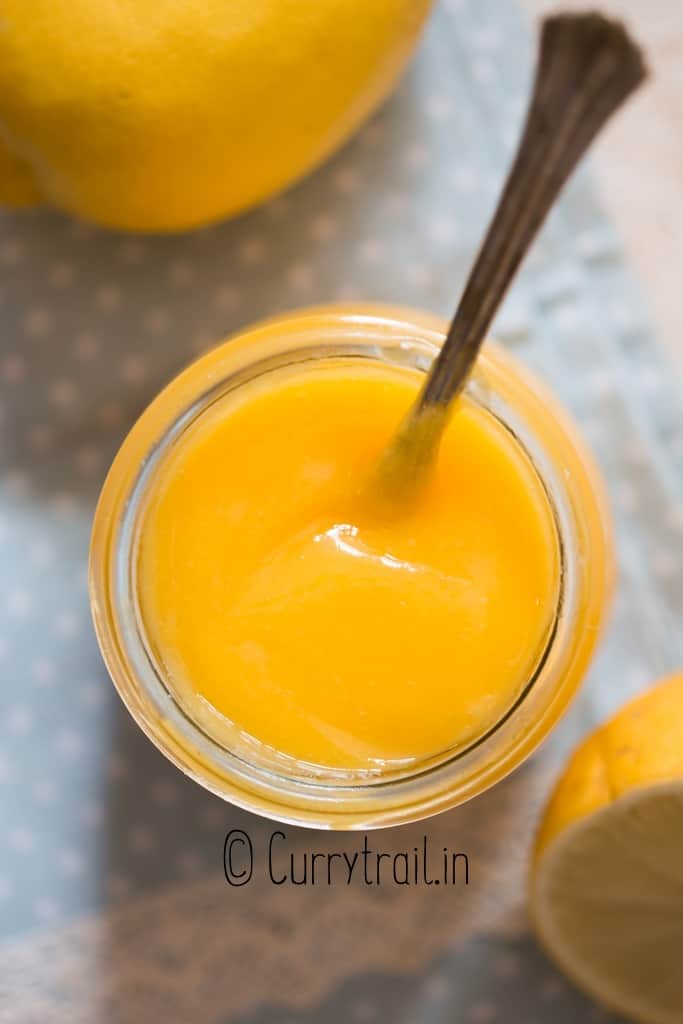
{"x":160,"y":115}
{"x":607,"y":873}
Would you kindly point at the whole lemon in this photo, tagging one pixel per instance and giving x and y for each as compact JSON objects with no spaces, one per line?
{"x":160,"y":115}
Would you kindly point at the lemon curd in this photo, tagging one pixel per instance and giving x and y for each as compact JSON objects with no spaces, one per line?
{"x":278,"y":598}
{"x":306,"y":654}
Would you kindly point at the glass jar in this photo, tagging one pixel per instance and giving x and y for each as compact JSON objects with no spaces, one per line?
{"x":246,"y":773}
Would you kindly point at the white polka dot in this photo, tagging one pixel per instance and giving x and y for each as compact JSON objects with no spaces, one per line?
{"x":12,"y":251}
{"x":81,"y":231}
{"x":63,"y":504}
{"x":324,"y":227}
{"x":40,"y":553}
{"x":201,"y":342}
{"x":483,"y":70}
{"x":649,"y":379}
{"x":63,"y":392}
{"x":92,"y":696}
{"x":227,"y":297}
{"x":133,"y":369}
{"x":482,"y":1013}
{"x":37,"y":323}
{"x":180,"y":272}
{"x":372,"y":251}
{"x":13,"y":369}
{"x":374,"y":134}
{"x":486,"y":38}
{"x":396,"y":203}
{"x":117,"y":768}
{"x":621,"y":314}
{"x":190,"y":863}
{"x":552,"y":989}
{"x":156,"y":321}
{"x":71,"y":863}
{"x":300,"y":276}
{"x":277,"y":207}
{"x":437,"y":988}
{"x":638,"y":677}
{"x":108,"y":297}
{"x":439,"y":107}
{"x":510,"y":136}
{"x":567,"y":317}
{"x":635,"y":452}
{"x":19,"y":603}
{"x":17,"y":483}
{"x":111,"y":414}
{"x":674,"y":518}
{"x":40,"y":438}
{"x":46,"y":791}
{"x":514,"y":319}
{"x":44,"y":672}
{"x":442,"y":230}
{"x":88,"y":459}
{"x":140,"y":840}
{"x":666,"y":564}
{"x":419,"y":275}
{"x":601,"y":384}
{"x":464,"y":180}
{"x":46,"y":910}
{"x":627,"y":496}
{"x":92,"y":815}
{"x":506,"y":965}
{"x":347,"y":180}
{"x":416,"y":155}
{"x":118,"y":886}
{"x":19,"y":720}
{"x":86,"y":346}
{"x":67,"y":624}
{"x":252,"y":252}
{"x":61,"y":275}
{"x":132,"y":252}
{"x":213,"y":816}
{"x":164,"y":793}
{"x":68,"y":743}
{"x":346,"y":293}
{"x":21,"y":839}
{"x":363,"y":1010}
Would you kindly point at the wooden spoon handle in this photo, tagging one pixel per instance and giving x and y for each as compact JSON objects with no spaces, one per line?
{"x":587,"y":66}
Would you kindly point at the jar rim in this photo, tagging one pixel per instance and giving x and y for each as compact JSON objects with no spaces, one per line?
{"x":326,"y":798}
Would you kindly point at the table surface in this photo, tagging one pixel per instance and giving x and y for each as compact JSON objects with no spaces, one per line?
{"x":642,"y":186}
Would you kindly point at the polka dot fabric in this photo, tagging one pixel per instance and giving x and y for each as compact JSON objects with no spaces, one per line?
{"x":106,"y":852}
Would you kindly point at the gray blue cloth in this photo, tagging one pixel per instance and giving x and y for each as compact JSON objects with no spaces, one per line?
{"x":113,"y":906}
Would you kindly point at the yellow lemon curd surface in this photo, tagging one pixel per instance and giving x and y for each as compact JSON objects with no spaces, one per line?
{"x":277,"y":595}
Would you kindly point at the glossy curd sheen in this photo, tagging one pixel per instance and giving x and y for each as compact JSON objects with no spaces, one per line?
{"x":277,"y":596}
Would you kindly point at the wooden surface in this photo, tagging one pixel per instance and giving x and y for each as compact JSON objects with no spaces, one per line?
{"x":639,"y":160}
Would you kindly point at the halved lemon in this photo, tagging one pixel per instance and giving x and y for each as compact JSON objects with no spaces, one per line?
{"x":606,"y":887}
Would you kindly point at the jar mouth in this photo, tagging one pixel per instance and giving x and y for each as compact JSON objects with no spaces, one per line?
{"x":218,"y":754}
